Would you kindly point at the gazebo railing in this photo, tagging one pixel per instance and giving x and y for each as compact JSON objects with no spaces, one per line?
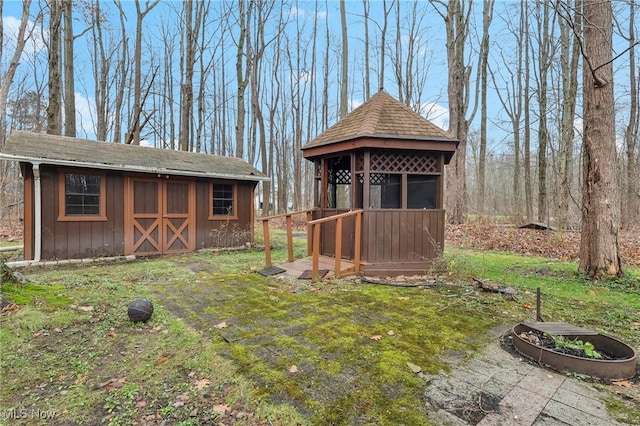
{"x":313,"y":238}
{"x":287,"y":216}
{"x":316,"y":224}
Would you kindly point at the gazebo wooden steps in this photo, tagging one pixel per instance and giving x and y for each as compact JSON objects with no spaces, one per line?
{"x":304,"y":266}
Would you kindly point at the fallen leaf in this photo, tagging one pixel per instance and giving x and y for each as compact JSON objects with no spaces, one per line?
{"x":414,"y":368}
{"x":202,"y":383}
{"x":592,"y":292}
{"x":527,"y":305}
{"x":220,"y":326}
{"x":158,"y":328}
{"x":81,"y":379}
{"x":221,"y":408}
{"x":11,"y":307}
{"x":113,"y":383}
{"x":390,"y":332}
{"x":623,"y":383}
{"x":404,"y":298}
{"x":85,"y":308}
{"x":293,"y":369}
{"x":113,"y":334}
{"x":161,"y":360}
{"x":141,"y":404}
{"x":376,"y":337}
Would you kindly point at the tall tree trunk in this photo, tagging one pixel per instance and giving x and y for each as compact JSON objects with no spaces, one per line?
{"x":366,"y":6}
{"x":528,"y":186}
{"x":344,"y":79}
{"x":69,"y":78}
{"x":186,"y":89}
{"x":487,"y":16}
{"x":100,"y":67}
{"x":631,"y":200}
{"x":243,"y":69}
{"x":544,"y":60}
{"x":122,"y":75}
{"x":136,"y":125}
{"x":599,"y":250}
{"x":457,"y":29}
{"x":7,"y":79}
{"x":383,"y":42}
{"x":54,"y":113}
{"x":569,"y":61}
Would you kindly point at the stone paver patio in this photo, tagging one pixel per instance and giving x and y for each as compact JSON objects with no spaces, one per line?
{"x":494,"y":388}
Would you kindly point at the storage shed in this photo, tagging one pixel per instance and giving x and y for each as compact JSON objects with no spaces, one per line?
{"x":86,"y":199}
{"x":387,"y":160}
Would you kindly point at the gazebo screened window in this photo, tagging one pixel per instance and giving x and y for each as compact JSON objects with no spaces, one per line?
{"x":412,"y":175}
{"x":339,"y":182}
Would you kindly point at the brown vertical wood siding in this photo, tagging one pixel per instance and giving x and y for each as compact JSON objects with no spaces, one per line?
{"x":86,"y":239}
{"x":406,"y":240}
{"x":76,"y":240}
{"x":224,"y":233}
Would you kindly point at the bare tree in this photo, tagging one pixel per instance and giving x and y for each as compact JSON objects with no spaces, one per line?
{"x":243,"y":70}
{"x":383,"y":40}
{"x":69,"y":78}
{"x":121,"y":76}
{"x":599,"y":250}
{"x":136,"y":122}
{"x":344,"y":78}
{"x":101,"y":62}
{"x":189,"y":60}
{"x":569,"y":61}
{"x":545,"y":57}
{"x":487,"y":16}
{"x":9,"y":74}
{"x":528,"y":185}
{"x":512,"y":96}
{"x":456,"y":18}
{"x":54,"y":113}
{"x":631,"y":201}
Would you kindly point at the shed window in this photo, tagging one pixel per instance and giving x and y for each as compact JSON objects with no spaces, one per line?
{"x":82,"y":196}
{"x":421,"y":192}
{"x":223,"y":201}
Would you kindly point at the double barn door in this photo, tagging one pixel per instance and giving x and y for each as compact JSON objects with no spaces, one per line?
{"x":159,"y":216}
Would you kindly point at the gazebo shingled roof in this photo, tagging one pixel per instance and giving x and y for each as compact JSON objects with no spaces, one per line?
{"x":383,"y":117}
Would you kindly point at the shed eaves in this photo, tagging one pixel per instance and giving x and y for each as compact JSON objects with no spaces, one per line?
{"x":62,"y":150}
{"x":381,"y":116}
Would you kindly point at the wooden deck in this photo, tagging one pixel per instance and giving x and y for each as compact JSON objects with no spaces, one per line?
{"x":298,"y":267}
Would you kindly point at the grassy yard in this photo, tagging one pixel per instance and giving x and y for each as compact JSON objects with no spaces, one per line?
{"x":228,"y":345}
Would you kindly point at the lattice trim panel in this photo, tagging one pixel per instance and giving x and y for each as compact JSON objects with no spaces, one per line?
{"x":340,"y":177}
{"x":404,"y":161}
{"x":359,"y":161}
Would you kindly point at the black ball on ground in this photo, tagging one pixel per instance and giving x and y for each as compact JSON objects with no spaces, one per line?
{"x":140,"y":310}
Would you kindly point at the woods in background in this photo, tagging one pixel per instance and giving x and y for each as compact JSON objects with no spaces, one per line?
{"x":258,"y":79}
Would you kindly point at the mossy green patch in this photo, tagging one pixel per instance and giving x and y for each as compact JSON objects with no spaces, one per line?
{"x":623,"y":411}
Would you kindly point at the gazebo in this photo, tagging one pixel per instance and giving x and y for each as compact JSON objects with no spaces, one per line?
{"x":387,"y":161}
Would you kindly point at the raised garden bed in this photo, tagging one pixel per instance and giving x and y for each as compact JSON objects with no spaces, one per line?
{"x":575,"y":349}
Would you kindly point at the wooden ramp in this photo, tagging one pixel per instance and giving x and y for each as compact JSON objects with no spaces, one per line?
{"x":302,"y":268}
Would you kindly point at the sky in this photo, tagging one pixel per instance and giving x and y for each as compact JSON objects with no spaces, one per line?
{"x":12,"y":10}
{"x":434,"y":96}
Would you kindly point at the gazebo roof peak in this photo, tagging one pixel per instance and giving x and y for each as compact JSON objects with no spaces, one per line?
{"x":381,"y":116}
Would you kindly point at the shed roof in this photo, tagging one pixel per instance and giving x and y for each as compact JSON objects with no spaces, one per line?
{"x":73,"y":152}
{"x":383,"y":117}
